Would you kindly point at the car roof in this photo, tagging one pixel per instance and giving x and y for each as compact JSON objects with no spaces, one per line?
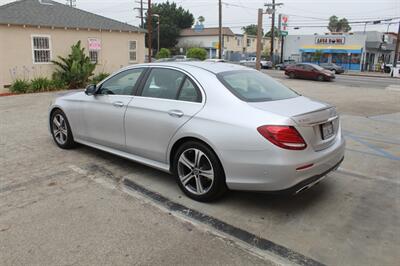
{"x":213,"y":67}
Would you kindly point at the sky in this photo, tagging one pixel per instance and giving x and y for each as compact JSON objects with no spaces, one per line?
{"x":309,"y":16}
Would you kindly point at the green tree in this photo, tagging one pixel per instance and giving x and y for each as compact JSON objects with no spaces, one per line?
{"x":251,"y":29}
{"x":75,"y":69}
{"x":172,"y":20}
{"x":276,"y":33}
{"x":338,"y":25}
{"x":198,"y":53}
{"x":163,"y":53}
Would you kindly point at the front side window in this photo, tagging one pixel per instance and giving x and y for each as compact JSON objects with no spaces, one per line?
{"x":132,"y":51}
{"x":41,"y":49}
{"x":253,"y":86}
{"x":163,"y":83}
{"x":122,"y":83}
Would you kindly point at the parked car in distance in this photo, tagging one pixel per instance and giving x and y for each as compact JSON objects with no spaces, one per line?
{"x":333,"y":67}
{"x":215,"y":60}
{"x":251,"y":62}
{"x":213,"y":126}
{"x":309,"y":71}
{"x":282,"y":66}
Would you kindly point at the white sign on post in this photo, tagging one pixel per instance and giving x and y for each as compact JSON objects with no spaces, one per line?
{"x":94,"y":44}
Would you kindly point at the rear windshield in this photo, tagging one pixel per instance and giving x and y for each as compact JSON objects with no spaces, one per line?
{"x":253,"y":86}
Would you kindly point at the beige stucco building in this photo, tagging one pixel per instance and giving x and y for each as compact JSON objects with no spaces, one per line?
{"x":208,"y":38}
{"x":29,"y":41}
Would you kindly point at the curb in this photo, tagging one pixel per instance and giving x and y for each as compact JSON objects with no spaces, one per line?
{"x":369,"y":76}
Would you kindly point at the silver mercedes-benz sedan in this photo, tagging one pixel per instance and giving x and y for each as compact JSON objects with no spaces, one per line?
{"x":215,"y":126}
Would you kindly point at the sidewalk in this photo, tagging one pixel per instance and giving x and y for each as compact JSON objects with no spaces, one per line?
{"x":367,"y":74}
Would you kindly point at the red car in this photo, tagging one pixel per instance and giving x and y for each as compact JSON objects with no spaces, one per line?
{"x":309,"y":71}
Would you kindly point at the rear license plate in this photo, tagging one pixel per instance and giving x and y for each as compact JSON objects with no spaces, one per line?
{"x":327,"y":130}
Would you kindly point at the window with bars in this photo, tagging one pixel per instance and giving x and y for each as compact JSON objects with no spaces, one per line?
{"x":132,"y":51}
{"x":94,"y":56}
{"x":41,"y":49}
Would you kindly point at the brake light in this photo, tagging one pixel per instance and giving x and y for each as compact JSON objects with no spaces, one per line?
{"x":286,"y":137}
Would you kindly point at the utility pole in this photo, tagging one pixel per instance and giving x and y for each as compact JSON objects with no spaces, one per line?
{"x":271,"y":10}
{"x":396,"y":53}
{"x":149,"y":28}
{"x":71,"y":3}
{"x":259,"y":37}
{"x":273,"y":32}
{"x":141,"y":10}
{"x":220,"y":30}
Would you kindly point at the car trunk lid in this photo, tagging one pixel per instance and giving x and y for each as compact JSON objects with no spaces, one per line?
{"x":314,"y":119}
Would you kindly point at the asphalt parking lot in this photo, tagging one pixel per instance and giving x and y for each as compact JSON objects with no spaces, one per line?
{"x":62,"y":207}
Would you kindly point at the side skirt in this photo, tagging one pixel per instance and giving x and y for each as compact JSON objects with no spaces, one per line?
{"x":154,"y":164}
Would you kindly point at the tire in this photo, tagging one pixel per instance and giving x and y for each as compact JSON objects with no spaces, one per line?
{"x":292,"y":75}
{"x":61,"y":130}
{"x":189,"y":172}
{"x":333,"y":71}
{"x":278,"y":68}
{"x":320,"y":78}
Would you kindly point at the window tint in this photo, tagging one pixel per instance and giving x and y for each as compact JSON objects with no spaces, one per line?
{"x":122,"y":83}
{"x":163,"y":83}
{"x":253,"y":86}
{"x":189,"y":92}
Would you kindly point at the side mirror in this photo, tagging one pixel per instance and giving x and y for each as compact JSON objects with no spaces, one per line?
{"x":91,"y":89}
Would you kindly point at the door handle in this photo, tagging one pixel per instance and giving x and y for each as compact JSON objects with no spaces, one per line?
{"x":175,"y":113}
{"x":118,"y":104}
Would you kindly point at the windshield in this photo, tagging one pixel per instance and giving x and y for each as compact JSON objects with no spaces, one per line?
{"x":253,"y":86}
{"x":318,"y":67}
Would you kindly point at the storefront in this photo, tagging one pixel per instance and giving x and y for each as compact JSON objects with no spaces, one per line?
{"x":346,"y":56}
{"x":345,"y":50}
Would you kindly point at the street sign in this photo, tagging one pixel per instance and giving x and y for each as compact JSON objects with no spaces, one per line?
{"x":283,"y":24}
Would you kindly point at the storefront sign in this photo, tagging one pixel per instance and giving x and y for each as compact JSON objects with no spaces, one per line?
{"x":94,"y":44}
{"x":330,"y":40}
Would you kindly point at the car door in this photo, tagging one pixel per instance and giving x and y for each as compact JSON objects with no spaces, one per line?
{"x":310,"y":72}
{"x":105,"y":110}
{"x":168,"y":98}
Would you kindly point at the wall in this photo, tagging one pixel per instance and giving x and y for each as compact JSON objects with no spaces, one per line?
{"x":16,"y":50}
{"x":293,"y":43}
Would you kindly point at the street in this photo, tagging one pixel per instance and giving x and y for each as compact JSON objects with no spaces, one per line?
{"x":60,"y":207}
{"x":353,"y":81}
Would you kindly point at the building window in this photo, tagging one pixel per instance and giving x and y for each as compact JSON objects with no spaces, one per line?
{"x":132,"y":51}
{"x":248,"y":42}
{"x":94,"y":56}
{"x":238,"y":42}
{"x":41,"y":49}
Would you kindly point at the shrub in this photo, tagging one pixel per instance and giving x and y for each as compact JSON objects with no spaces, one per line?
{"x":40,"y":84}
{"x":75,"y":69}
{"x":198,"y":53}
{"x":99,"y":77}
{"x":163,"y":53}
{"x":57,"y":84}
{"x":20,"y":86}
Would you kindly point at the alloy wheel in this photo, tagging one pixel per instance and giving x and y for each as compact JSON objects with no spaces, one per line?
{"x":60,"y":129}
{"x":195,"y":171}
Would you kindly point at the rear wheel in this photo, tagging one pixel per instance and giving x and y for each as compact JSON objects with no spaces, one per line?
{"x":199,"y":172}
{"x":334,"y":71}
{"x":292,"y":75}
{"x":61,"y":130}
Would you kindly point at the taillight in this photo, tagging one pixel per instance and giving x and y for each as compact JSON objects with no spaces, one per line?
{"x":286,"y":137}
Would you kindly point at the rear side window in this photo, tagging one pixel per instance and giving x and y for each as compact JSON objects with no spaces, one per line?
{"x":253,"y":86}
{"x":163,"y":83}
{"x":166,"y":83}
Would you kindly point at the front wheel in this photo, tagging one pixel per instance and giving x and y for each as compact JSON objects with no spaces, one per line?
{"x":61,"y":130}
{"x":199,"y":172}
{"x":320,"y":78}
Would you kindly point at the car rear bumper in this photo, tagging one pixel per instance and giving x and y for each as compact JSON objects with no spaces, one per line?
{"x":260,"y":171}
